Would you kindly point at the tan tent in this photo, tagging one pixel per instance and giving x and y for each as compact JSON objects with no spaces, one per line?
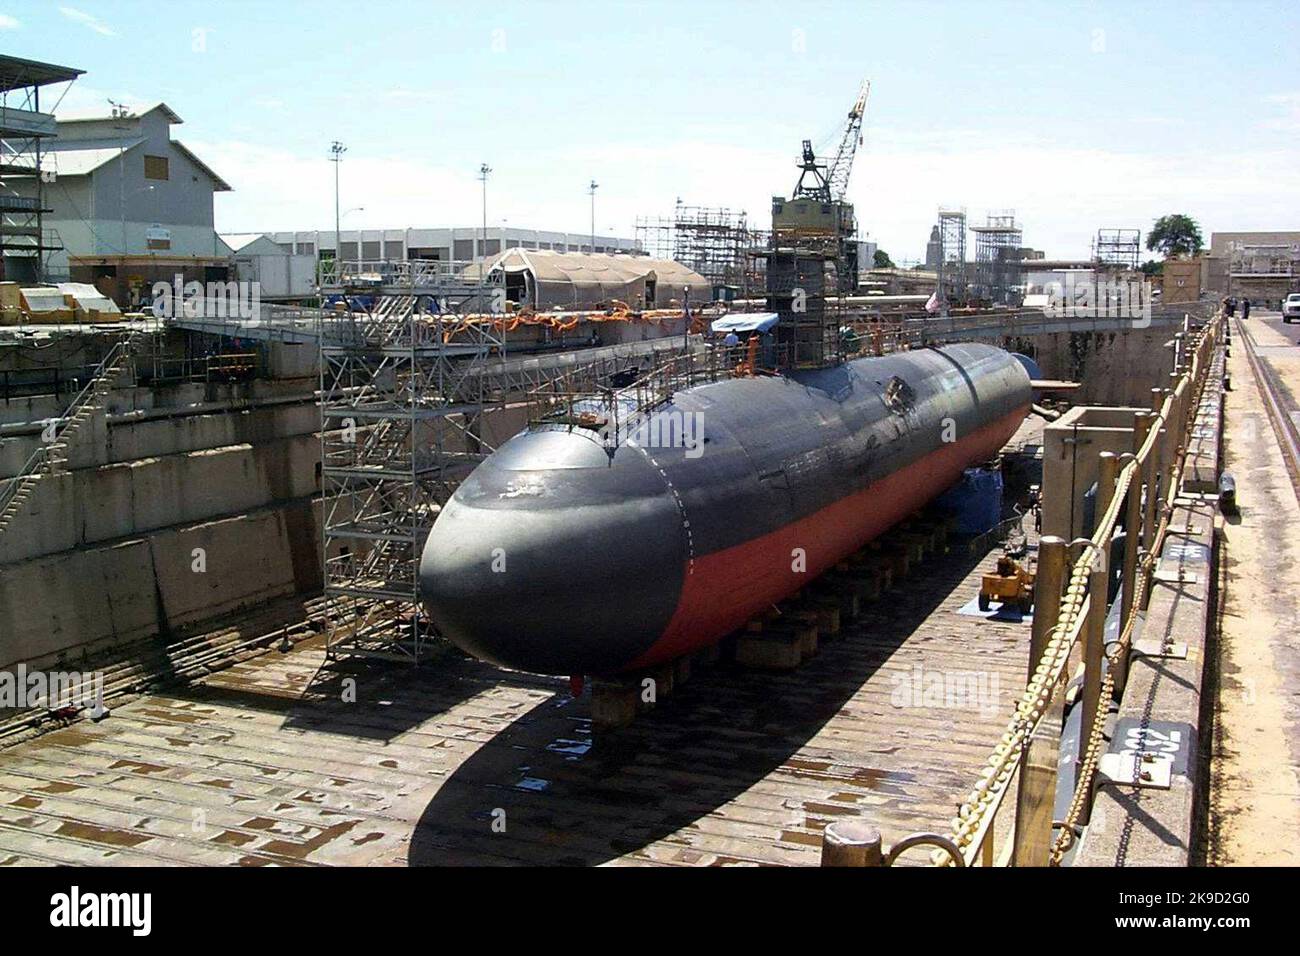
{"x":549,"y":280}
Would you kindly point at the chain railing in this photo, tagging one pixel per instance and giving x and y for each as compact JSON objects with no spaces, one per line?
{"x":1076,"y":607}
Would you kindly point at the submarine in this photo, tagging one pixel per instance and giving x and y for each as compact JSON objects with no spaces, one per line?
{"x":576,"y":551}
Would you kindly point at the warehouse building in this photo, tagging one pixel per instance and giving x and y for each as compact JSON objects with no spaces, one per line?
{"x":463,"y":244}
{"x":118,"y":186}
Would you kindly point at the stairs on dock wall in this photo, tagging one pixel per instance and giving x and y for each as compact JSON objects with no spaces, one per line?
{"x":52,"y":455}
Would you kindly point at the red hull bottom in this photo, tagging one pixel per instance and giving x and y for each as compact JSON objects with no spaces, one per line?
{"x":729,"y":587}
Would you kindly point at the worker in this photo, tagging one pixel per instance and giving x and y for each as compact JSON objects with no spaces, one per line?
{"x":1245,"y":309}
{"x":731,"y":354}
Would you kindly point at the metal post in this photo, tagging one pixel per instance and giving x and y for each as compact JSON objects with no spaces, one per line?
{"x":592,"y":190}
{"x":337,"y":150}
{"x":851,"y":843}
{"x":1036,"y":795}
{"x":483,"y":171}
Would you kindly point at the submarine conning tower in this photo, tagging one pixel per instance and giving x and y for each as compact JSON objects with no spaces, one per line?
{"x":624,"y":532}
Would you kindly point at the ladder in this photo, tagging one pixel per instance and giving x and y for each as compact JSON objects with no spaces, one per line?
{"x":52,"y":454}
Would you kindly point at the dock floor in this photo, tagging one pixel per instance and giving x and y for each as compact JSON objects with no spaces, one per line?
{"x":276,"y":761}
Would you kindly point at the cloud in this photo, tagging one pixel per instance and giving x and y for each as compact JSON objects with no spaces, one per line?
{"x":8,"y":23}
{"x":88,"y":20}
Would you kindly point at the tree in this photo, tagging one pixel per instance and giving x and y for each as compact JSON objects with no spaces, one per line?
{"x":1151,"y":267}
{"x":881,"y":260}
{"x":1175,"y":235}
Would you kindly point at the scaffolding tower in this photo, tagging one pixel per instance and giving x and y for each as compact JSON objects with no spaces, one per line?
{"x":25,"y":243}
{"x":997,"y":251}
{"x":403,"y":392}
{"x":952,"y":253}
{"x":1120,"y":247}
{"x":718,"y":243}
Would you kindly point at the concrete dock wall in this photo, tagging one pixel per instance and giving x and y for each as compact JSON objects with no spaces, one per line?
{"x":178,"y":505}
{"x":94,"y":505}
{"x":83,"y":603}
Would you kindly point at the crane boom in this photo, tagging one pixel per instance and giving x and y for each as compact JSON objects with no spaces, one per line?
{"x":837,"y":173}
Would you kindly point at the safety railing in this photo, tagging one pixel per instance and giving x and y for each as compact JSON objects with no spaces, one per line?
{"x":607,"y":397}
{"x":1071,"y":596}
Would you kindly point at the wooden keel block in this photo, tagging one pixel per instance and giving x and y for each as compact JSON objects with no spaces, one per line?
{"x":843,"y":598}
{"x":614,"y":703}
{"x":770,"y":650}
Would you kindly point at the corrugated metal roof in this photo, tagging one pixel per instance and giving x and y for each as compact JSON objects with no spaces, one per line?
{"x":77,"y":158}
{"x":17,"y":73}
{"x":68,"y":159}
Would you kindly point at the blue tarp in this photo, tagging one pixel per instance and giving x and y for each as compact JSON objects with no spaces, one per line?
{"x":745,"y":322}
{"x":976,"y":500}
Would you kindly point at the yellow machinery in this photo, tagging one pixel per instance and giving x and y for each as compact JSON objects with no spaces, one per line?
{"x":1011,"y":584}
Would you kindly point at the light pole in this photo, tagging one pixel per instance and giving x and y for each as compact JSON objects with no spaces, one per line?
{"x":592,"y":189}
{"x":119,"y":111}
{"x":337,"y":150}
{"x":483,"y":171}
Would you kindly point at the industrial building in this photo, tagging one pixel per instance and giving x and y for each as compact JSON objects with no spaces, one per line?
{"x":120,"y":185}
{"x":444,"y":244}
{"x":1261,"y":266}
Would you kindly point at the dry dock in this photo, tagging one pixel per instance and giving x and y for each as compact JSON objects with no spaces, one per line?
{"x":268,"y":763}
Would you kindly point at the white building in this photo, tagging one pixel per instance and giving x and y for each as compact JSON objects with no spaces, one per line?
{"x":443,"y":244}
{"x":279,"y":274}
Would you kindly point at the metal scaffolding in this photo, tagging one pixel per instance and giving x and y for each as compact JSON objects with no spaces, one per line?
{"x":402,"y":401}
{"x":997,"y":250}
{"x":952,"y":253}
{"x":1121,"y":247}
{"x":412,"y":362}
{"x":25,"y":168}
{"x":715,"y":242}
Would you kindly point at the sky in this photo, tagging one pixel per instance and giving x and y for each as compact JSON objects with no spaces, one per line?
{"x":1078,"y":116}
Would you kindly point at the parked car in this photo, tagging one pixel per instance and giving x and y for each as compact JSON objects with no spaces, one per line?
{"x":1291,"y":307}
